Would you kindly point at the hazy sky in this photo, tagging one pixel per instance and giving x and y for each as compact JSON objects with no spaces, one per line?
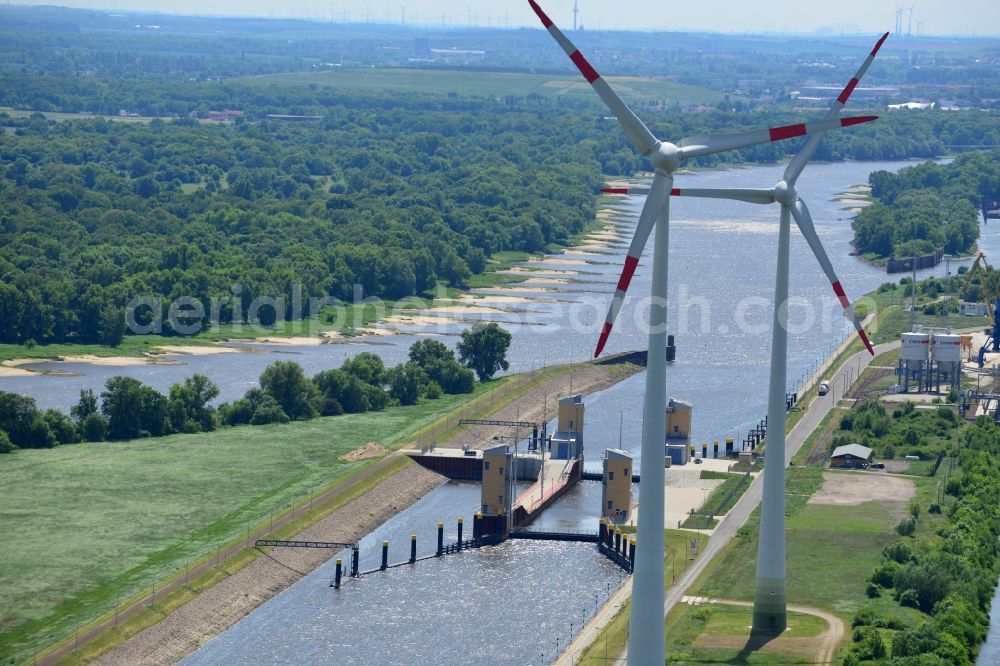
{"x":963,"y":17}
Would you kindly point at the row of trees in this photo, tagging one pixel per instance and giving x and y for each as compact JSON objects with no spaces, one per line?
{"x":128,"y":409}
{"x":929,"y":206}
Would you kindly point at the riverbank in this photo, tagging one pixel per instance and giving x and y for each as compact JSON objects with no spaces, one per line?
{"x":338,"y":325}
{"x":212,"y":614}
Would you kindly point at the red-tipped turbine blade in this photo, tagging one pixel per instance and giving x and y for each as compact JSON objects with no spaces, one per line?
{"x":631,"y":189}
{"x":804,"y":221}
{"x":798,"y":163}
{"x":657,"y":204}
{"x":696,"y":146}
{"x":734,"y":193}
{"x":637,"y":132}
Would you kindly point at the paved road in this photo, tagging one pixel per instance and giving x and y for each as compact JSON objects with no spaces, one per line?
{"x":846,"y":375}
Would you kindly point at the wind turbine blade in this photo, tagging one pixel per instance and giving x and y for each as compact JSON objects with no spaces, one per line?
{"x":804,"y":221}
{"x":637,"y":132}
{"x":852,"y":84}
{"x":737,"y":194}
{"x":696,"y":146}
{"x":798,"y":163}
{"x":629,"y":189}
{"x":656,"y":203}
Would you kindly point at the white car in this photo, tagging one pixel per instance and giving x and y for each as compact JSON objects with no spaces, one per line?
{"x":824,"y":388}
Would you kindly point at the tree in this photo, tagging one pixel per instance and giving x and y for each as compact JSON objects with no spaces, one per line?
{"x":23,"y":423}
{"x":426,"y":353}
{"x":483,"y":348}
{"x":94,"y":428}
{"x":133,"y":409}
{"x":367,"y":367}
{"x":61,"y":427}
{"x":85,"y":407}
{"x":111,"y":327}
{"x":347,"y":390}
{"x":291,"y":389}
{"x":406,"y":382}
{"x":188,"y":404}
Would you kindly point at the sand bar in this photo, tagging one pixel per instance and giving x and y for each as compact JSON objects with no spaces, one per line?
{"x":195,"y":350}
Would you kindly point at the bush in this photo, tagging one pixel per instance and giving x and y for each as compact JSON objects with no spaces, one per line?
{"x":6,"y":446}
{"x":934,"y":508}
{"x":906,"y":527}
{"x":873,"y":591}
{"x":885,"y":574}
{"x":94,"y":428}
{"x":269,"y":413}
{"x":909,"y":598}
{"x":330,"y":407}
{"x":898,"y":551}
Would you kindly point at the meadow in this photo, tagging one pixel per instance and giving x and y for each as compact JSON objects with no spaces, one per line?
{"x":471,"y":83}
{"x":112,"y":519}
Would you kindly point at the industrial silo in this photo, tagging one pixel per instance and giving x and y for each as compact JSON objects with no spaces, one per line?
{"x":946,"y":354}
{"x":914,"y":356}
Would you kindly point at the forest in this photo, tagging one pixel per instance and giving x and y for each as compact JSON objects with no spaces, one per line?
{"x":928,"y":206}
{"x":393,"y":193}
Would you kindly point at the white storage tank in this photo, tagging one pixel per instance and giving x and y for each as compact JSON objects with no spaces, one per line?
{"x":947,"y":348}
{"x":915,"y":347}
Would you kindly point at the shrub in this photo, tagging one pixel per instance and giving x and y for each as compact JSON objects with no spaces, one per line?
{"x":909,"y":598}
{"x":906,"y":527}
{"x":898,"y":551}
{"x":934,"y":508}
{"x":6,"y":446}
{"x":885,"y":574}
{"x":873,"y":591}
{"x":94,"y":428}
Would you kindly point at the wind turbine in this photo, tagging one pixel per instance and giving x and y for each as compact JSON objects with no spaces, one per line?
{"x":646,"y":621}
{"x":770,"y":594}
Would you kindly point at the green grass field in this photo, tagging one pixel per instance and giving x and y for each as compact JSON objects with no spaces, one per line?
{"x":484,"y":84}
{"x":87,"y":524}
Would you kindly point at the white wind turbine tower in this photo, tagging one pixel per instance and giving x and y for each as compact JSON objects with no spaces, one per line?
{"x":646,"y":621}
{"x":770,"y":594}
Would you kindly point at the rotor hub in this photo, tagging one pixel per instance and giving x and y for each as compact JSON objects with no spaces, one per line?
{"x":785,"y":193}
{"x":665,"y":157}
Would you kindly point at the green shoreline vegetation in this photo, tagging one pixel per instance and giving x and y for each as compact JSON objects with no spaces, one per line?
{"x":927,"y":207}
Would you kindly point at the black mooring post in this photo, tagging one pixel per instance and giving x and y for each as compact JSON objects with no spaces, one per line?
{"x":413,"y":548}
{"x":355,"y":553}
{"x":336,"y":576}
{"x":631,"y":554}
{"x":440,"y":550}
{"x":618,"y":540}
{"x":477,"y":528}
{"x":460,"y":533}
{"x":385,"y":555}
{"x":602,"y":533}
